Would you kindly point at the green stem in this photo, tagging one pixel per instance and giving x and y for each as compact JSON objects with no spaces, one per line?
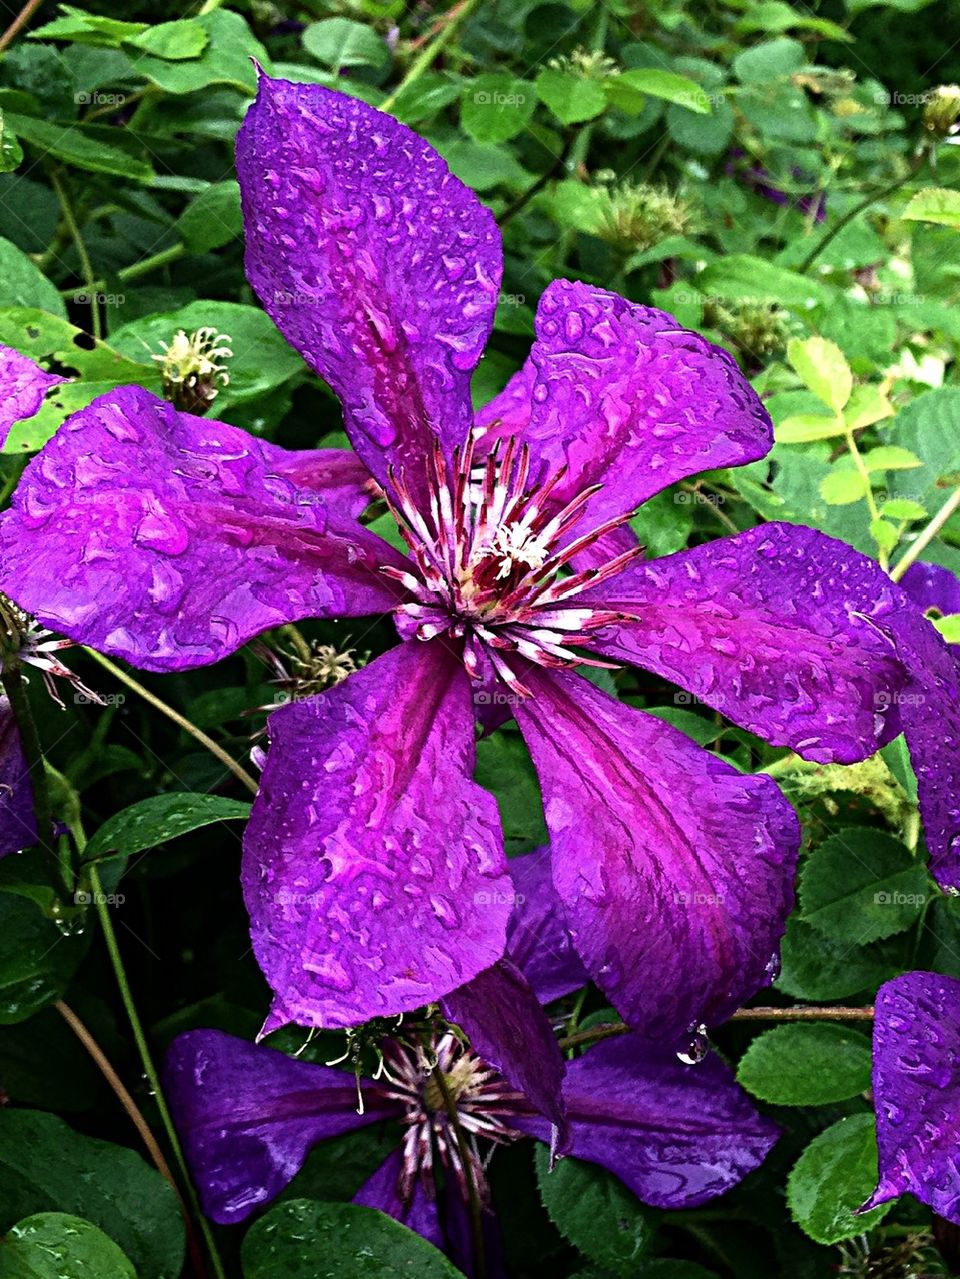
{"x":86,"y":266}
{"x":20,"y":21}
{"x":146,"y":1058}
{"x":133,"y":272}
{"x":11,"y":677}
{"x":429,"y":54}
{"x":926,"y":536}
{"x":871,"y":198}
{"x":198,"y":734}
{"x":473,"y":1196}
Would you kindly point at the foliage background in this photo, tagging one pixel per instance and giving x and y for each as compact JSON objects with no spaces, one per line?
{"x":678,"y":153}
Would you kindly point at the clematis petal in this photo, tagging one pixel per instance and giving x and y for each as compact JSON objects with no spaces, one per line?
{"x":916,"y":1090}
{"x":416,"y":1210}
{"x":932,"y":586}
{"x":373,"y":864}
{"x":623,"y":396}
{"x":171,"y":540}
{"x":675,"y":871}
{"x":23,"y":385}
{"x":781,"y":628}
{"x":18,"y":825}
{"x":379,"y":266}
{"x":502,"y":1018}
{"x":248,"y":1115}
{"x":538,"y":939}
{"x":676,"y":1135}
{"x":337,"y":475}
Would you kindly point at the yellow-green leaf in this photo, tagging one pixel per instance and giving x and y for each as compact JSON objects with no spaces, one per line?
{"x":840,"y":488}
{"x":802,"y":427}
{"x":890,"y":457}
{"x":867,"y":404}
{"x":935,"y":204}
{"x":822,"y":366}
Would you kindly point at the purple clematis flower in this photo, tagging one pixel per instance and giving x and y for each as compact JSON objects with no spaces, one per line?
{"x":374,"y":870}
{"x":24,"y":386}
{"x":916,"y":1089}
{"x":18,"y":826}
{"x":248,"y":1115}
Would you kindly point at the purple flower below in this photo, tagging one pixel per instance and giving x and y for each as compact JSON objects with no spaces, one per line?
{"x":916,"y":1089}
{"x":248,"y":1115}
{"x":374,"y":869}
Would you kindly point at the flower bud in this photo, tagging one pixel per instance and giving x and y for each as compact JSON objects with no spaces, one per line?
{"x":942,"y":110}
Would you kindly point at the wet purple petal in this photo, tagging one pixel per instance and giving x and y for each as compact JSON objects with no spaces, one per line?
{"x":502,"y":1018}
{"x":781,"y":628}
{"x":538,"y":939}
{"x":916,"y":1090}
{"x":171,"y":540}
{"x":18,"y":826}
{"x":378,"y":265}
{"x":23,"y":385}
{"x":417,"y":1210}
{"x":624,"y":396}
{"x":675,"y":870}
{"x":338,"y":475}
{"x":676,"y":1135}
{"x":373,"y":867}
{"x":247,"y":1116}
{"x":931,"y":586}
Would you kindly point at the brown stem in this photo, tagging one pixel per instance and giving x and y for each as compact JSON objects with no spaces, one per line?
{"x":138,"y":1121}
{"x":811,"y":1012}
{"x":20,"y":21}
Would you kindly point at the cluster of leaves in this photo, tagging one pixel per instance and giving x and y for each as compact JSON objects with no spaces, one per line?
{"x":748,"y":165}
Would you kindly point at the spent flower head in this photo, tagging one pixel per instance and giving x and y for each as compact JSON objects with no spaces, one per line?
{"x":586,"y":64}
{"x":942,"y":110}
{"x":637,"y":215}
{"x":192,"y":365}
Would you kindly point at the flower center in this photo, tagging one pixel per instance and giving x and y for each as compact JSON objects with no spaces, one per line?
{"x":493,"y":561}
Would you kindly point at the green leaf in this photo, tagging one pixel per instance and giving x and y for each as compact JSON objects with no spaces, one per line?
{"x":226,"y":59}
{"x":595,"y":1211}
{"x":571,"y":98}
{"x":842,"y":486}
{"x":808,"y":1065}
{"x":884,"y":534}
{"x":174,"y":41}
{"x":823,"y":368}
{"x":44,"y":1164}
{"x":949,"y":627}
{"x":53,"y":341}
{"x":667,"y":85}
{"x":801,"y":428}
{"x":11,"y":152}
{"x":56,"y":1245}
{"x":37,"y":961}
{"x":262,"y":359}
{"x":861,"y":885}
{"x":302,"y":1239}
{"x":213,"y":218}
{"x":504,"y":768}
{"x":23,"y":284}
{"x":742,"y":278}
{"x":81,"y":27}
{"x":496,"y":107}
{"x":423,"y":98}
{"x":832,"y":1178}
{"x":891,"y":457}
{"x":867,"y":404}
{"x":818,"y":967}
{"x":902,"y":508}
{"x":935,"y":204}
{"x":79,"y":149}
{"x":769,"y":61}
{"x":161,"y":818}
{"x":340,"y":42}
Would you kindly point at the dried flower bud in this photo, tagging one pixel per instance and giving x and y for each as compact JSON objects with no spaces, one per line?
{"x":942,"y":110}
{"x":192,"y":366}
